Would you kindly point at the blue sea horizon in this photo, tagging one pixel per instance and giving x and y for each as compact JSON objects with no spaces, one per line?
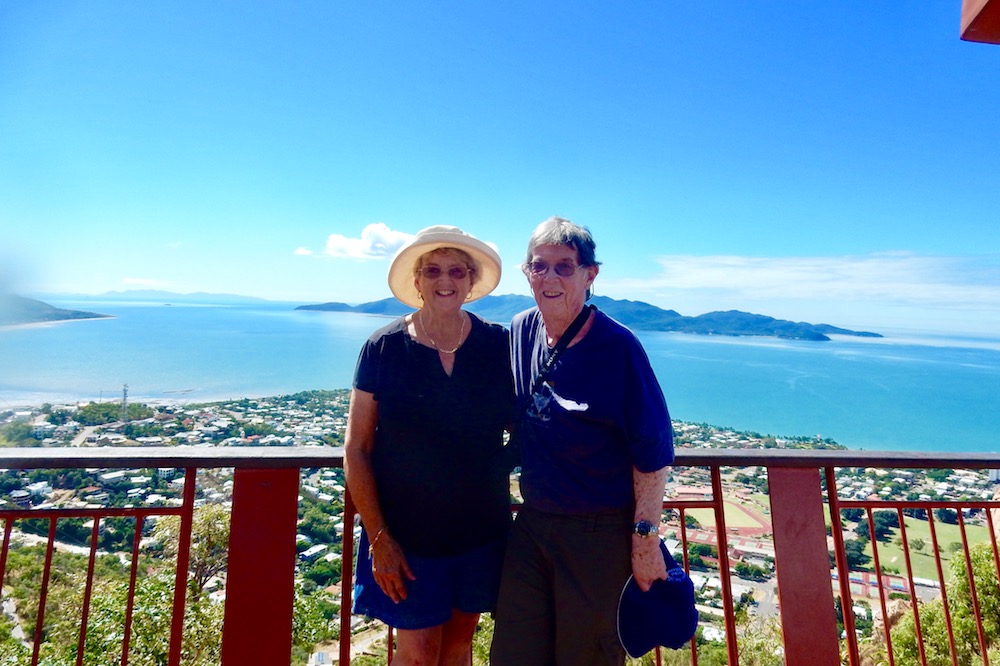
{"x":911,"y":390}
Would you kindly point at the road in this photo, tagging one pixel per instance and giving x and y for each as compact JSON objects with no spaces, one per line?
{"x":81,"y":437}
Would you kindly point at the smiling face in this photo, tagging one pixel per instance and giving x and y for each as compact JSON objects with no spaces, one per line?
{"x":559,"y":297}
{"x":444,"y":279}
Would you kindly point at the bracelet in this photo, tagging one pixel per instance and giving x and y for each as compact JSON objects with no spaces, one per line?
{"x":371,"y":546}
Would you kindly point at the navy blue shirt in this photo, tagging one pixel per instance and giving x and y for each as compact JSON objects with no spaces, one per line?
{"x":600,"y":414}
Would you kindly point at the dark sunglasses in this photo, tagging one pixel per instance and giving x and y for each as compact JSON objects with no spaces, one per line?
{"x":540,"y":268}
{"x":455,"y":272}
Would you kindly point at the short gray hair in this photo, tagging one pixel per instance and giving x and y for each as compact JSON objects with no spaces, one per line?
{"x":560,"y":231}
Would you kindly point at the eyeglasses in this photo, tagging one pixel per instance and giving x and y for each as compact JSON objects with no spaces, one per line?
{"x":540,"y":268}
{"x":455,"y":272}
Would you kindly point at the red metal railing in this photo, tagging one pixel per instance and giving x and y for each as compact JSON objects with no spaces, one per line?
{"x":803,"y":498}
{"x":97,"y":516}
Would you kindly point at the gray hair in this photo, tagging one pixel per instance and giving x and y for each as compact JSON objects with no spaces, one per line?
{"x":560,"y":231}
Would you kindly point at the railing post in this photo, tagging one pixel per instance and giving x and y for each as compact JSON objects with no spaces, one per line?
{"x":802,"y":561}
{"x":346,"y":576}
{"x":260,"y":585}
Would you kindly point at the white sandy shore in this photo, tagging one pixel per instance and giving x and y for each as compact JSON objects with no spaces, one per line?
{"x":47,"y":324}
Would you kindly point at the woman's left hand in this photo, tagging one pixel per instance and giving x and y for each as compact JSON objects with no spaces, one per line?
{"x":390,"y":568}
{"x":647,"y":561}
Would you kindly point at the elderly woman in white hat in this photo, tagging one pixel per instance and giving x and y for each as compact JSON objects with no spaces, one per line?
{"x":432,"y":396}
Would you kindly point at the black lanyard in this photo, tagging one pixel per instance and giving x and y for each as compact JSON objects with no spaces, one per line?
{"x":509,"y":457}
{"x":564,"y":341}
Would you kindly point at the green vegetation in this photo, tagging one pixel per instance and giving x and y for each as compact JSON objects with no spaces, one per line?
{"x":313,"y":617}
{"x":316,"y":417}
{"x":16,"y":310}
{"x":18,"y":433}
{"x":890,"y":548}
{"x":932,"y":623}
{"x":150,"y":628}
{"x":102,"y":413}
{"x":209,"y":543}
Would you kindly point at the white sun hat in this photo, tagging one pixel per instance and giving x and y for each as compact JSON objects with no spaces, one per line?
{"x":486,"y":259}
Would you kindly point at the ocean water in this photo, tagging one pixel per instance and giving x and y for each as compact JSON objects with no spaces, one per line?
{"x":908,"y":391}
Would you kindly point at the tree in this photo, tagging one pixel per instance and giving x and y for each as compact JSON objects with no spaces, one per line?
{"x":318,"y":526}
{"x":917,"y":544}
{"x":310,"y":625}
{"x":946,"y":515}
{"x":209,"y":542}
{"x":19,"y":433}
{"x":751,"y":571}
{"x":760,"y":643}
{"x":854,"y":550}
{"x":150,"y":638}
{"x":853,"y":515}
{"x":887,"y":519}
{"x":932,"y":620}
{"x":70,"y":530}
{"x":100,"y":413}
{"x":323,"y":572}
{"x":13,"y":652}
{"x":117,"y":533}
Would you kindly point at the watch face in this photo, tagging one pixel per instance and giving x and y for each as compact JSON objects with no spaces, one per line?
{"x":644,"y":528}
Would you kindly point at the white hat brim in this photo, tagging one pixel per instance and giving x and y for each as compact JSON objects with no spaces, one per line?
{"x":401,"y":278}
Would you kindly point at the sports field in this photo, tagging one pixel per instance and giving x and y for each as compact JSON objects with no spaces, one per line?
{"x":738,"y":516}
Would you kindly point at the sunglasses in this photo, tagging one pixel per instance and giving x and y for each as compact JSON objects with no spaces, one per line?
{"x":540,"y":268}
{"x":455,"y":272}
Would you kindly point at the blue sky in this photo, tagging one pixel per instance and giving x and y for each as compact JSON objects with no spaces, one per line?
{"x":832,"y":162}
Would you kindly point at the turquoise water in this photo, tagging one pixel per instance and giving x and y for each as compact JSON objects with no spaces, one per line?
{"x":871,"y":395}
{"x":904,"y":392}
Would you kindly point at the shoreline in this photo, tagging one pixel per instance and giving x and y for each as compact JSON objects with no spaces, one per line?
{"x":35,"y":404}
{"x":50,"y":322}
{"x":20,"y":403}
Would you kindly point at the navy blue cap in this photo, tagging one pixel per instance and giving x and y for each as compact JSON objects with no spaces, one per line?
{"x":665,"y":615}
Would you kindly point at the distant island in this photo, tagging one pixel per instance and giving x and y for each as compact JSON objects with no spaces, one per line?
{"x":16,"y":310}
{"x":634,"y":314}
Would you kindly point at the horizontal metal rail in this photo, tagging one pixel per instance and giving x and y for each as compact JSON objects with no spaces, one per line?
{"x":803,"y":496}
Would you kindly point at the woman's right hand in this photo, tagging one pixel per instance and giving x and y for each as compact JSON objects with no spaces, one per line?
{"x":389,"y":567}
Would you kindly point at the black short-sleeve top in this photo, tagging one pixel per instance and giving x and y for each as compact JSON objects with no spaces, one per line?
{"x":438,"y":435}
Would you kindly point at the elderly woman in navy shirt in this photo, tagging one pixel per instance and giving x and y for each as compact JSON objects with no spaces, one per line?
{"x":596,"y":440}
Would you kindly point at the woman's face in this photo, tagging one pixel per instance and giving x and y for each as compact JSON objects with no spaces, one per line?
{"x":561,"y":296}
{"x":444,"y":280}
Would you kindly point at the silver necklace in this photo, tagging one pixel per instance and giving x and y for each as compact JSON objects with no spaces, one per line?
{"x":461,"y":332}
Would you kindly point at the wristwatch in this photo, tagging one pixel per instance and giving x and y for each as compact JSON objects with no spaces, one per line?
{"x":644,"y":528}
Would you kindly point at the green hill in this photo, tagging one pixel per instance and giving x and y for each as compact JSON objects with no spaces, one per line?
{"x":634,"y":314}
{"x":20,"y":310}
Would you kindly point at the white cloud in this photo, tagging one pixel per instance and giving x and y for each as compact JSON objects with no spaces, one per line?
{"x":303,"y":252}
{"x":885,"y":290}
{"x":377,"y":241}
{"x":898,"y":277}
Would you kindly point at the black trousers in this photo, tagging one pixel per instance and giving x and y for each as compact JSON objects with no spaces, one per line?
{"x":559,"y":591}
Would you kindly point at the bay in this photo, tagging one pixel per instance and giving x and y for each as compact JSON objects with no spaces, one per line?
{"x":908,"y":391}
